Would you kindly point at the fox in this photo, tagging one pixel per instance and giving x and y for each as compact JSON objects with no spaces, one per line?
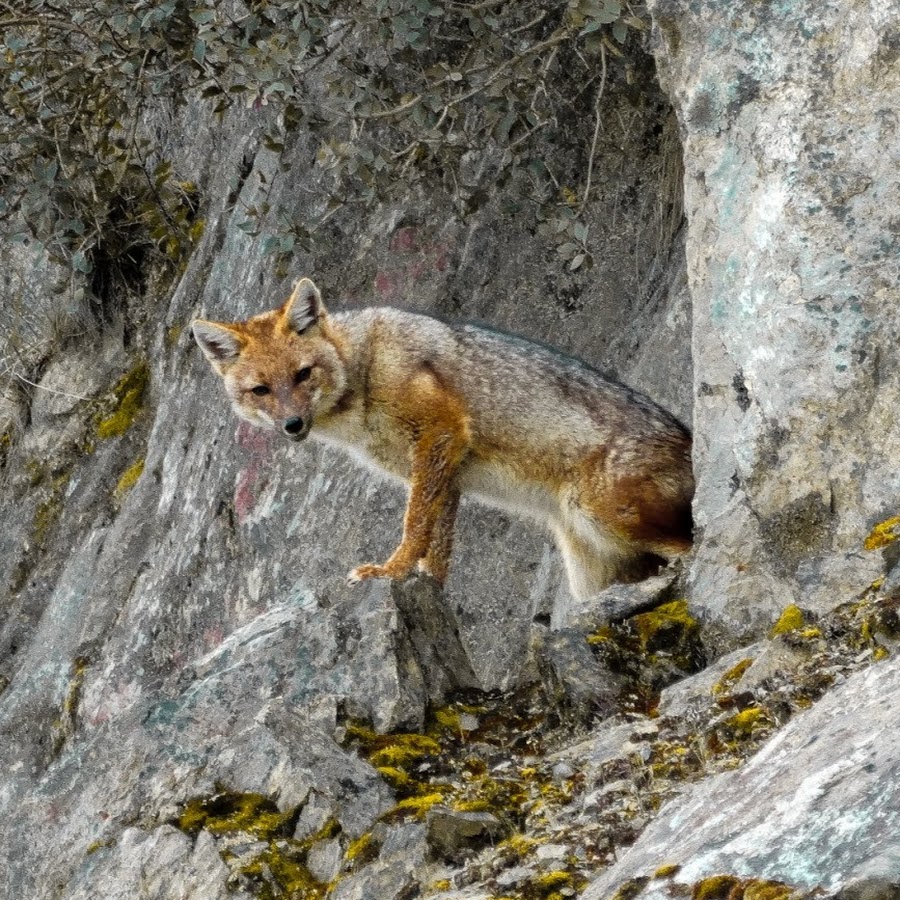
{"x":458,"y":409}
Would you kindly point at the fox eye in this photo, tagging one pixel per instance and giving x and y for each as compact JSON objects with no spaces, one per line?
{"x":261,"y":390}
{"x":303,"y":374}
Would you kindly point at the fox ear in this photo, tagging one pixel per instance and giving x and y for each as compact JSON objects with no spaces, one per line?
{"x":304,"y":307}
{"x":219,"y":343}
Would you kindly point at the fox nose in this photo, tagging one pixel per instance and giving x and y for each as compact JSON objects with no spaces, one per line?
{"x":294,"y":427}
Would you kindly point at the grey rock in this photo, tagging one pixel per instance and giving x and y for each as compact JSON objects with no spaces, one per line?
{"x":696,"y":690}
{"x":400,"y":865}
{"x":793,"y":450}
{"x":815,"y":805}
{"x":432,"y":644}
{"x":619,"y":601}
{"x":324,"y":860}
{"x":575,"y":680}
{"x":454,"y":833}
{"x":161,"y":865}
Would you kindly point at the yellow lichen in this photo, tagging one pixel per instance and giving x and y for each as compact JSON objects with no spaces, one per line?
{"x":129,"y":396}
{"x":667,"y":870}
{"x":129,"y":478}
{"x":790,"y":620}
{"x":731,"y":677}
{"x":442,"y":884}
{"x":882,"y":534}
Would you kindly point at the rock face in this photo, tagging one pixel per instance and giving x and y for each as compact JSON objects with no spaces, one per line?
{"x":790,"y":814}
{"x":194,"y":703}
{"x":175,"y":617}
{"x":792,"y":212}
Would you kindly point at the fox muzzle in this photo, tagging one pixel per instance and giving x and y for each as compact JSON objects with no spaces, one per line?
{"x":296,"y":428}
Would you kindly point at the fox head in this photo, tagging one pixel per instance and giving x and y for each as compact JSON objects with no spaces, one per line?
{"x":281,"y":369}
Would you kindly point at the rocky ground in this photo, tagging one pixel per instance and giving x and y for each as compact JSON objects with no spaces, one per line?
{"x":529,"y":796}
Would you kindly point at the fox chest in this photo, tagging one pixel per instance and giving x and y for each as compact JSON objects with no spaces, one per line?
{"x":377,"y":444}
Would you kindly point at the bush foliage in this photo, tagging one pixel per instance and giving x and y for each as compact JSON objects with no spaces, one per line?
{"x":395,"y":91}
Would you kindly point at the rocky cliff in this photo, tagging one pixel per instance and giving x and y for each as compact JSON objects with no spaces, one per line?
{"x":194,"y":704}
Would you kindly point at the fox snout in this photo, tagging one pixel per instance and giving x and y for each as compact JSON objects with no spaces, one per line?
{"x":296,"y":427}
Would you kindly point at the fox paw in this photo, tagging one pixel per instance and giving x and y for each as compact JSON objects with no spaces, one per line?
{"x":361,"y":573}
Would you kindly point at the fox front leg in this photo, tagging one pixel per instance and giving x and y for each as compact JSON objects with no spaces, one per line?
{"x":441,"y":444}
{"x":430,"y":512}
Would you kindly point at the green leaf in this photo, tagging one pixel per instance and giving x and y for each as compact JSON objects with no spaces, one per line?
{"x":82,"y":263}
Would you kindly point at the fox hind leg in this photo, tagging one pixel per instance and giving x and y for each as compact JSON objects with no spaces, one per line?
{"x":590,"y":566}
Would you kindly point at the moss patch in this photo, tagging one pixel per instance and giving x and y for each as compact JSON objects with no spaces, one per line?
{"x":413,"y":807}
{"x":730,"y":887}
{"x":792,"y":619}
{"x":276,"y":873}
{"x":128,"y":479}
{"x":50,"y":509}
{"x":128,"y":395}
{"x":667,"y":870}
{"x":731,"y":677}
{"x":630,"y":889}
{"x":227,"y":812}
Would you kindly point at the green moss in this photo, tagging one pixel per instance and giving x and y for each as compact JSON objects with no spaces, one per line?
{"x":660,"y":627}
{"x":129,"y":394}
{"x":716,"y":887}
{"x":173,"y":332}
{"x":399,"y":750}
{"x":129,"y":478}
{"x":630,"y":889}
{"x":743,"y":723}
{"x":49,"y":510}
{"x":228,"y":812}
{"x":396,"y":778}
{"x":766,"y":890}
{"x":552,"y":880}
{"x":36,"y":472}
{"x":362,"y":851}
{"x":667,"y":870}
{"x":413,"y":807}
{"x":518,"y":846}
{"x":731,"y":677}
{"x":791,"y":619}
{"x":276,"y":874}
{"x":99,"y":845}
